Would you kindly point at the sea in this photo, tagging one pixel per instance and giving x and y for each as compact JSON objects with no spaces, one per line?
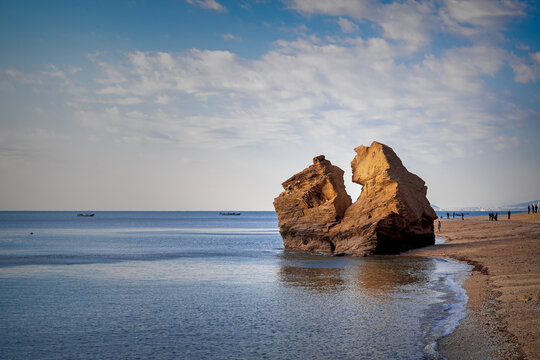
{"x":200,"y":285}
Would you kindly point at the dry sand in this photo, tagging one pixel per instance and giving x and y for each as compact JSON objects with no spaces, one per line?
{"x":503,"y":319}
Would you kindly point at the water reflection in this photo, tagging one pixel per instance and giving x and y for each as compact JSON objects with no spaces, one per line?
{"x":392,"y":273}
{"x":312,"y":278}
{"x":371,"y":276}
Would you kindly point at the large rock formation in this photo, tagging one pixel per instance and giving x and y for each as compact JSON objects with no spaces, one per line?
{"x":391,"y":215}
{"x":313,"y":202}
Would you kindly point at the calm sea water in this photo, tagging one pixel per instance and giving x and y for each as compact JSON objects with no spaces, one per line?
{"x":197,"y":285}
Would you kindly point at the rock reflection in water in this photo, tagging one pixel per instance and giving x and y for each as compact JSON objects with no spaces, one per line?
{"x":372,"y":276}
{"x":391,"y":273}
{"x":313,"y":278}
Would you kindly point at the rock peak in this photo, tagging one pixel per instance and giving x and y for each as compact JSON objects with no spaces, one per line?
{"x":375,"y":161}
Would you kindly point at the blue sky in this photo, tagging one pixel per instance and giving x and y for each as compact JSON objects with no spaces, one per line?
{"x":208,"y":104}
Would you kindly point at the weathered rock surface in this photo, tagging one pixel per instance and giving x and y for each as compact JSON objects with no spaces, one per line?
{"x":391,"y":215}
{"x":313,"y":202}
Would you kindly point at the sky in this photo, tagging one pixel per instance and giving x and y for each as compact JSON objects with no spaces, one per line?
{"x":212,"y":104}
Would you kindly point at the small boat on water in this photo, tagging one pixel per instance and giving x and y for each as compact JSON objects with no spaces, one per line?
{"x":229,"y":213}
{"x":85,"y":215}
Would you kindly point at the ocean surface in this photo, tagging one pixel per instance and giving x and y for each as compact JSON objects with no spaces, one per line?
{"x":197,"y":285}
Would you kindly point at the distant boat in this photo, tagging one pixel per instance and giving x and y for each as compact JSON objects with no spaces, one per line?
{"x":229,"y":213}
{"x":85,"y":215}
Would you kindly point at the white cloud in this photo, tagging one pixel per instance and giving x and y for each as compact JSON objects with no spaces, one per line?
{"x":347,"y":26}
{"x":524,"y":73}
{"x":523,"y":47}
{"x":230,"y":37}
{"x":313,"y":95}
{"x":24,"y":78}
{"x":526,"y":70}
{"x":109,"y":74}
{"x":358,"y":9}
{"x":208,"y":4}
{"x":219,"y":132}
{"x":409,"y":22}
{"x":481,"y":19}
{"x":132,"y":100}
{"x":54,"y":72}
{"x":163,"y":99}
{"x":415,"y":23}
{"x":486,"y":13}
{"x":504,"y":142}
{"x":51,"y":80}
{"x":304,"y":89}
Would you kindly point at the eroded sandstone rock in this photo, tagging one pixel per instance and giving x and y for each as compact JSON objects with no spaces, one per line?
{"x":391,"y":215}
{"x":313,"y":202}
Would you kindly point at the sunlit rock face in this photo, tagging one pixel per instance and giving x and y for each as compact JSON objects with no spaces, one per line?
{"x":392,"y":214}
{"x":313,"y":202}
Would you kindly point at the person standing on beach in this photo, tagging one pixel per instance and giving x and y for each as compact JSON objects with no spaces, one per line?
{"x":462,"y":216}
{"x":509,"y":214}
{"x":448,"y":215}
{"x":496,"y":215}
{"x":439,"y":225}
{"x":536,"y":208}
{"x":528,"y":209}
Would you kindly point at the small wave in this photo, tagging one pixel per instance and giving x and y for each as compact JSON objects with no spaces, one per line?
{"x":439,"y":240}
{"x":449,"y":305}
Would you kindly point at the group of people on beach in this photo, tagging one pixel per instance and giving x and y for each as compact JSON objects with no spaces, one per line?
{"x":454,"y":215}
{"x":493,"y":216}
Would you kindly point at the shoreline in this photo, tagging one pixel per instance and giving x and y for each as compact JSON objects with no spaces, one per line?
{"x":451,"y":301}
{"x":503,"y":286}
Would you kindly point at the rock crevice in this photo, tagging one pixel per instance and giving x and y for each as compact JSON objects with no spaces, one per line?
{"x":392,"y":214}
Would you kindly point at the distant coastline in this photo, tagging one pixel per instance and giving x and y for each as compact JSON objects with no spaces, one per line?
{"x":521,"y":207}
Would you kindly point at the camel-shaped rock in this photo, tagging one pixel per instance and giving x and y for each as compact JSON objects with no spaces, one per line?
{"x":391,"y":215}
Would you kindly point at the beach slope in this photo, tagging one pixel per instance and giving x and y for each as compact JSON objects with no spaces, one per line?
{"x":503,"y":319}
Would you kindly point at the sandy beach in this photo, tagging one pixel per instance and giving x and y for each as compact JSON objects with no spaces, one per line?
{"x":503,"y":319}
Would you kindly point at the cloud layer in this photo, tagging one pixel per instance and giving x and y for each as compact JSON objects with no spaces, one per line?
{"x":391,"y":87}
{"x":305,"y":90}
{"x":384,"y":74}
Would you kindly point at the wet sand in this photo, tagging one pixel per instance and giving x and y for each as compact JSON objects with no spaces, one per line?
{"x":503,"y":312}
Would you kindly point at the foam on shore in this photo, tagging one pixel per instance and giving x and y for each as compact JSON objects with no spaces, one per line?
{"x":448,"y":307}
